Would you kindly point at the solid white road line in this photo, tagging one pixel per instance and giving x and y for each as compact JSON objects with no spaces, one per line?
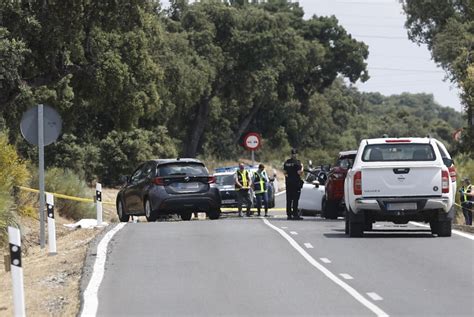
{"x":308,"y":246}
{"x":91,"y":301}
{"x":325,"y":260}
{"x":459,"y":233}
{"x":374,"y":296}
{"x":293,"y":233}
{"x":280,"y":193}
{"x":346,"y":276}
{"x":358,"y":296}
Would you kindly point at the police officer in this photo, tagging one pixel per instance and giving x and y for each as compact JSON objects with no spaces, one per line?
{"x":243,"y":182}
{"x":260,"y":184}
{"x":293,"y":172}
{"x":467,"y":198}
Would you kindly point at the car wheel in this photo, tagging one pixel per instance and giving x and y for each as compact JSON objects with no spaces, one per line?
{"x":331,"y":210}
{"x":214,"y":214}
{"x":444,"y":228}
{"x":434,"y":227}
{"x":123,"y":217}
{"x":149,"y":214}
{"x":186,"y":216}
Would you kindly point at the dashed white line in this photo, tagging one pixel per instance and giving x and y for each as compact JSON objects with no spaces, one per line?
{"x":346,"y":276}
{"x":308,"y":246}
{"x":91,"y":301}
{"x":374,"y":296}
{"x":293,"y":233}
{"x":349,"y":289}
{"x":284,"y":227}
{"x":325,"y":260}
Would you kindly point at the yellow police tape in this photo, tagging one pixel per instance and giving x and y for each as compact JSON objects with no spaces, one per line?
{"x":62,"y":196}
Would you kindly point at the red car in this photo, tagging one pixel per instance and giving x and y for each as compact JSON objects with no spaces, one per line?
{"x":334,"y":191}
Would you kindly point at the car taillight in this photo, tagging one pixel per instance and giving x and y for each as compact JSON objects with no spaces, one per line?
{"x":445,"y":181}
{"x":452,"y":173}
{"x":160,"y":181}
{"x":358,"y":183}
{"x":211,"y":180}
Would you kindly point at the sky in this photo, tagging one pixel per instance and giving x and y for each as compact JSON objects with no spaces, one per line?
{"x":395,"y":63}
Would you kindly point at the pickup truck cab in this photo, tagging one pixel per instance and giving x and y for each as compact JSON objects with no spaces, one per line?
{"x":400,"y":180}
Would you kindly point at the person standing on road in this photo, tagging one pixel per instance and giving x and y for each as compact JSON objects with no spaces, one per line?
{"x":260,"y":183}
{"x":293,"y":173}
{"x":243,"y":182}
{"x":467,"y":198}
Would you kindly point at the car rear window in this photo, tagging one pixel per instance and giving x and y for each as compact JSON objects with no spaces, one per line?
{"x":398,"y":152}
{"x":222,"y":180}
{"x":177,"y":169}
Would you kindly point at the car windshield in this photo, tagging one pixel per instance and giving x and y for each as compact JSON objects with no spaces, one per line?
{"x":398,"y":152}
{"x":178,"y":169}
{"x":222,"y":180}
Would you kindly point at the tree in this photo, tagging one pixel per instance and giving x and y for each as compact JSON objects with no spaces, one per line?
{"x":448,"y":30}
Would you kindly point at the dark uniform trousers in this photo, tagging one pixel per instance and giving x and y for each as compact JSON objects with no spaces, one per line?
{"x":293,"y":193}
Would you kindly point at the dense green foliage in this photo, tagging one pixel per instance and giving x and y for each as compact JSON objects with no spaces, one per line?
{"x":447,"y":27}
{"x":133,"y":81}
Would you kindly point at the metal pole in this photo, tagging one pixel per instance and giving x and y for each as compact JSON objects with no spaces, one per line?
{"x":253,"y":158}
{"x":41,"y":174}
{"x":51,"y":224}
{"x":98,"y":203}
{"x":14,"y":239}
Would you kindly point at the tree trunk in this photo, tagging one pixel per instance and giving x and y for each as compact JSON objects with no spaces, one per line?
{"x":245,"y":123}
{"x":197,"y":128}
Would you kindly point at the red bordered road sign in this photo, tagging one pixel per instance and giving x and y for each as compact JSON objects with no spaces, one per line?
{"x":252,"y":141}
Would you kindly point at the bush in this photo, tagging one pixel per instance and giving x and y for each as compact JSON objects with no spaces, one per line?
{"x":67,"y":182}
{"x":13,"y":172}
{"x":121,"y":152}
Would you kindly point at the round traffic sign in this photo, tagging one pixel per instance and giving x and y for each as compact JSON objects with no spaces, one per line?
{"x":252,"y":141}
{"x":52,"y":125}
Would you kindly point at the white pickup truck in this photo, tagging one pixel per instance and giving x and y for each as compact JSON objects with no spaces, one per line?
{"x":400,"y":180}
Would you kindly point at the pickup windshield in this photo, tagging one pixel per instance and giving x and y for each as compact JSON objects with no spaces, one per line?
{"x":398,"y":152}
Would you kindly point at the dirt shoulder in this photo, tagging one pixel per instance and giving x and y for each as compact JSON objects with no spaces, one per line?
{"x":52,"y":283}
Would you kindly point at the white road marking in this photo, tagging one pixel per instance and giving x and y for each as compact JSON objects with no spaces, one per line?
{"x":325,"y":260}
{"x":280,"y":193}
{"x":284,"y":227}
{"x":91,"y":301}
{"x":358,"y":296}
{"x":459,"y":233}
{"x":308,"y":246}
{"x":294,"y":233}
{"x":346,"y":276}
{"x":374,"y":296}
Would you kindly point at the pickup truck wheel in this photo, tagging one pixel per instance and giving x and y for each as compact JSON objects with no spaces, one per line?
{"x":444,"y":228}
{"x":356,"y":229}
{"x":368,"y":225}
{"x":346,"y":227}
{"x":186,"y":216}
{"x":331,"y":210}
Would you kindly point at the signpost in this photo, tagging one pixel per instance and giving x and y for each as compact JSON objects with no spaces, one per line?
{"x":41,"y":125}
{"x":252,"y":142}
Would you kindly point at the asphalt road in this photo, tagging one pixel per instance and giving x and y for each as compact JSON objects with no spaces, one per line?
{"x":253,"y":267}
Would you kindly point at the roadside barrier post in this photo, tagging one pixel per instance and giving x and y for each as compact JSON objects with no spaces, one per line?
{"x":98,"y":203}
{"x":14,"y":239}
{"x":51,"y":224}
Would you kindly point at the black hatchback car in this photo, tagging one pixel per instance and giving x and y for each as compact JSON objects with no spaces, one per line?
{"x":169,"y":186}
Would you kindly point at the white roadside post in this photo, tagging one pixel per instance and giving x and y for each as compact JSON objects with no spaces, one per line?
{"x":98,"y":203}
{"x":51,"y":224}
{"x":17,"y":272}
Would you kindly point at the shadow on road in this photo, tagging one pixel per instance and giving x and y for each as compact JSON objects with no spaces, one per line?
{"x":385,"y":233}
